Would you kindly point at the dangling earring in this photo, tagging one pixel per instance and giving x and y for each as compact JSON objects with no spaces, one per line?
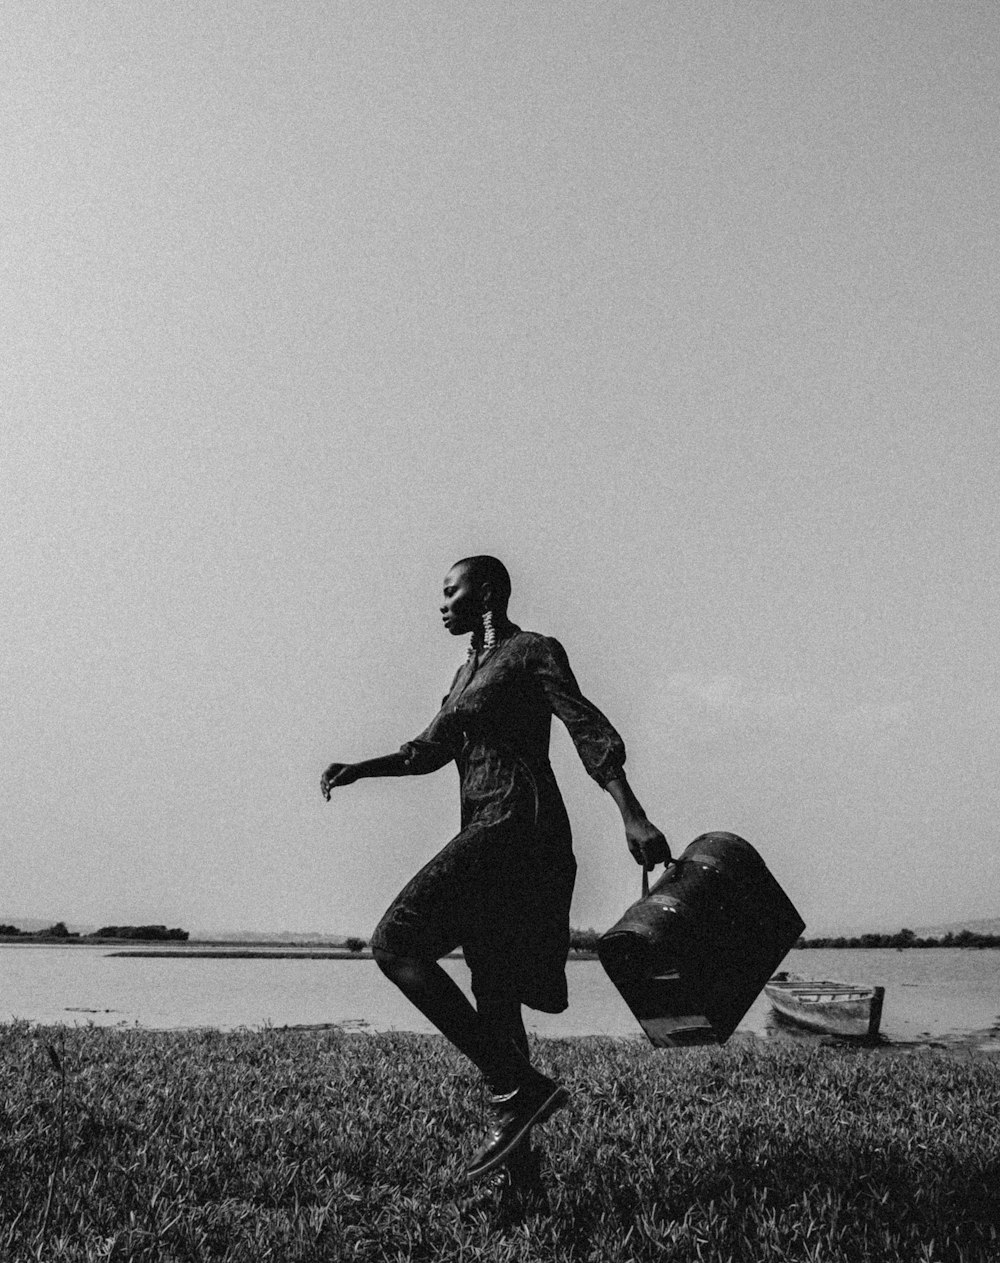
{"x":489,"y":631}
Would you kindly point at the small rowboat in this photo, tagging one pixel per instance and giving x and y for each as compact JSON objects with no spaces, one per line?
{"x":832,"y":1008}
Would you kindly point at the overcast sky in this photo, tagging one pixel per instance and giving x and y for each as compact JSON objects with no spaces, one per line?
{"x":688,"y":311}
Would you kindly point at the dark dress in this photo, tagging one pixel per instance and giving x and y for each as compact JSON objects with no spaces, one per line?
{"x":501,"y":888}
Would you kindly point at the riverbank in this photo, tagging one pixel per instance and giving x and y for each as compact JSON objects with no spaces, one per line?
{"x":297,"y":1146}
{"x":177,"y":947}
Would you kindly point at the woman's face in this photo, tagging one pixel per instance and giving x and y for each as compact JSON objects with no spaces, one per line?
{"x":462,"y":604}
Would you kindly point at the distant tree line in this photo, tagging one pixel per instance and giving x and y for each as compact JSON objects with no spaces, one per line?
{"x":58,"y":930}
{"x":587,"y":940}
{"x":143,"y":933}
{"x":906,"y":938}
{"x":583,"y":940}
{"x":137,"y":933}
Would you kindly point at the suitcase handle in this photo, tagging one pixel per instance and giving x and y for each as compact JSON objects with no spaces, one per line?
{"x":645,"y":876}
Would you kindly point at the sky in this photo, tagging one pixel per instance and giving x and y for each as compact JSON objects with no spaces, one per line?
{"x":687,"y":311}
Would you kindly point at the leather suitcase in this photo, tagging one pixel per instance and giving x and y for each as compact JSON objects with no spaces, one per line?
{"x":694,"y":953}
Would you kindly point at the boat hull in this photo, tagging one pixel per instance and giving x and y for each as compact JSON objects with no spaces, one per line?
{"x":828,"y":1008}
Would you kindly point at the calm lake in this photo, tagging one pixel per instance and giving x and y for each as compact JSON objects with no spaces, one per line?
{"x":935,"y":994}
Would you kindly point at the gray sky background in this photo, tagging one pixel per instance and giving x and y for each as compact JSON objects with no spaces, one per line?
{"x":687,"y":311}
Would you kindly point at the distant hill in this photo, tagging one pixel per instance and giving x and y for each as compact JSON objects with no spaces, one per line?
{"x":840,"y":929}
{"x":986,"y":925}
{"x":981,"y":925}
{"x":32,"y":925}
{"x":267,"y":936}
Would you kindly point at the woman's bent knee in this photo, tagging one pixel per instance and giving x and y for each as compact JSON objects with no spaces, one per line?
{"x":404,"y":971}
{"x":412,"y":975}
{"x":387,"y":961}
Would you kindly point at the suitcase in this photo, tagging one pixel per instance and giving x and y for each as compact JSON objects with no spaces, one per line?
{"x":694,"y":953}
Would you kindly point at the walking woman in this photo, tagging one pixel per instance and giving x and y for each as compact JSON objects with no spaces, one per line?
{"x":501,"y":888}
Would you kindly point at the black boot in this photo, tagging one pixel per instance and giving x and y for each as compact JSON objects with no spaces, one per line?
{"x":512,"y":1117}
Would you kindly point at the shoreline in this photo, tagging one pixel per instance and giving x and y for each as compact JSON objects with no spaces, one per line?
{"x":980,"y":1043}
{"x":239,"y":953}
{"x":337,"y":951}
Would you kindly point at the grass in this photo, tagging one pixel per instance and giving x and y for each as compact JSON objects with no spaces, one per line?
{"x":290,"y":1145}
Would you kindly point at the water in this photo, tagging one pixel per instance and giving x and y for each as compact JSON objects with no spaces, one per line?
{"x":932,"y":995}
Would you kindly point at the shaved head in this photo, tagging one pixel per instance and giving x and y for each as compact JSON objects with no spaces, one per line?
{"x":484,"y":569}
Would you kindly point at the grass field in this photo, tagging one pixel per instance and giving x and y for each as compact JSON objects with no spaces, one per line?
{"x":292,"y":1145}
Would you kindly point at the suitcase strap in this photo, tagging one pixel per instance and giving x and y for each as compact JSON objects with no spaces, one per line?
{"x":645,"y":877}
{"x":708,"y":861}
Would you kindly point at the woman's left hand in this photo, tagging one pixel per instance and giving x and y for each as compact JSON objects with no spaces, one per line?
{"x":646,"y":842}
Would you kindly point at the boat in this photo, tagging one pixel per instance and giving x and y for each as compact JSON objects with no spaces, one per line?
{"x":832,"y":1008}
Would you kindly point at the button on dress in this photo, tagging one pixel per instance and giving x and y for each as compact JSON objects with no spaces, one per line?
{"x":501,"y":888}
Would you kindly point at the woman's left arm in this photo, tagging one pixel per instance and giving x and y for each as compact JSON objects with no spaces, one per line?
{"x":600,"y":748}
{"x":645,"y":841}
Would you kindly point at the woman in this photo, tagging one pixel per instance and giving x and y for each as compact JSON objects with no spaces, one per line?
{"x":501,"y":888}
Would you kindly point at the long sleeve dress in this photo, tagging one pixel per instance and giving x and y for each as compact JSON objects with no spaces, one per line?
{"x":501,"y":888}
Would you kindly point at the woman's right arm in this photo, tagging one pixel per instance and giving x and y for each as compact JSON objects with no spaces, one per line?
{"x":431,"y":750}
{"x":340,"y":774}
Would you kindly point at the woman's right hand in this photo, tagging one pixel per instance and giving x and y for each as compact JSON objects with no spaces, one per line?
{"x":336,"y":775}
{"x":647,"y":844}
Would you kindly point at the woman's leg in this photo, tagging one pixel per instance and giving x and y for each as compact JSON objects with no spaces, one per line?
{"x":493,"y":1038}
{"x":523,"y":1190}
{"x":500,"y":1015}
